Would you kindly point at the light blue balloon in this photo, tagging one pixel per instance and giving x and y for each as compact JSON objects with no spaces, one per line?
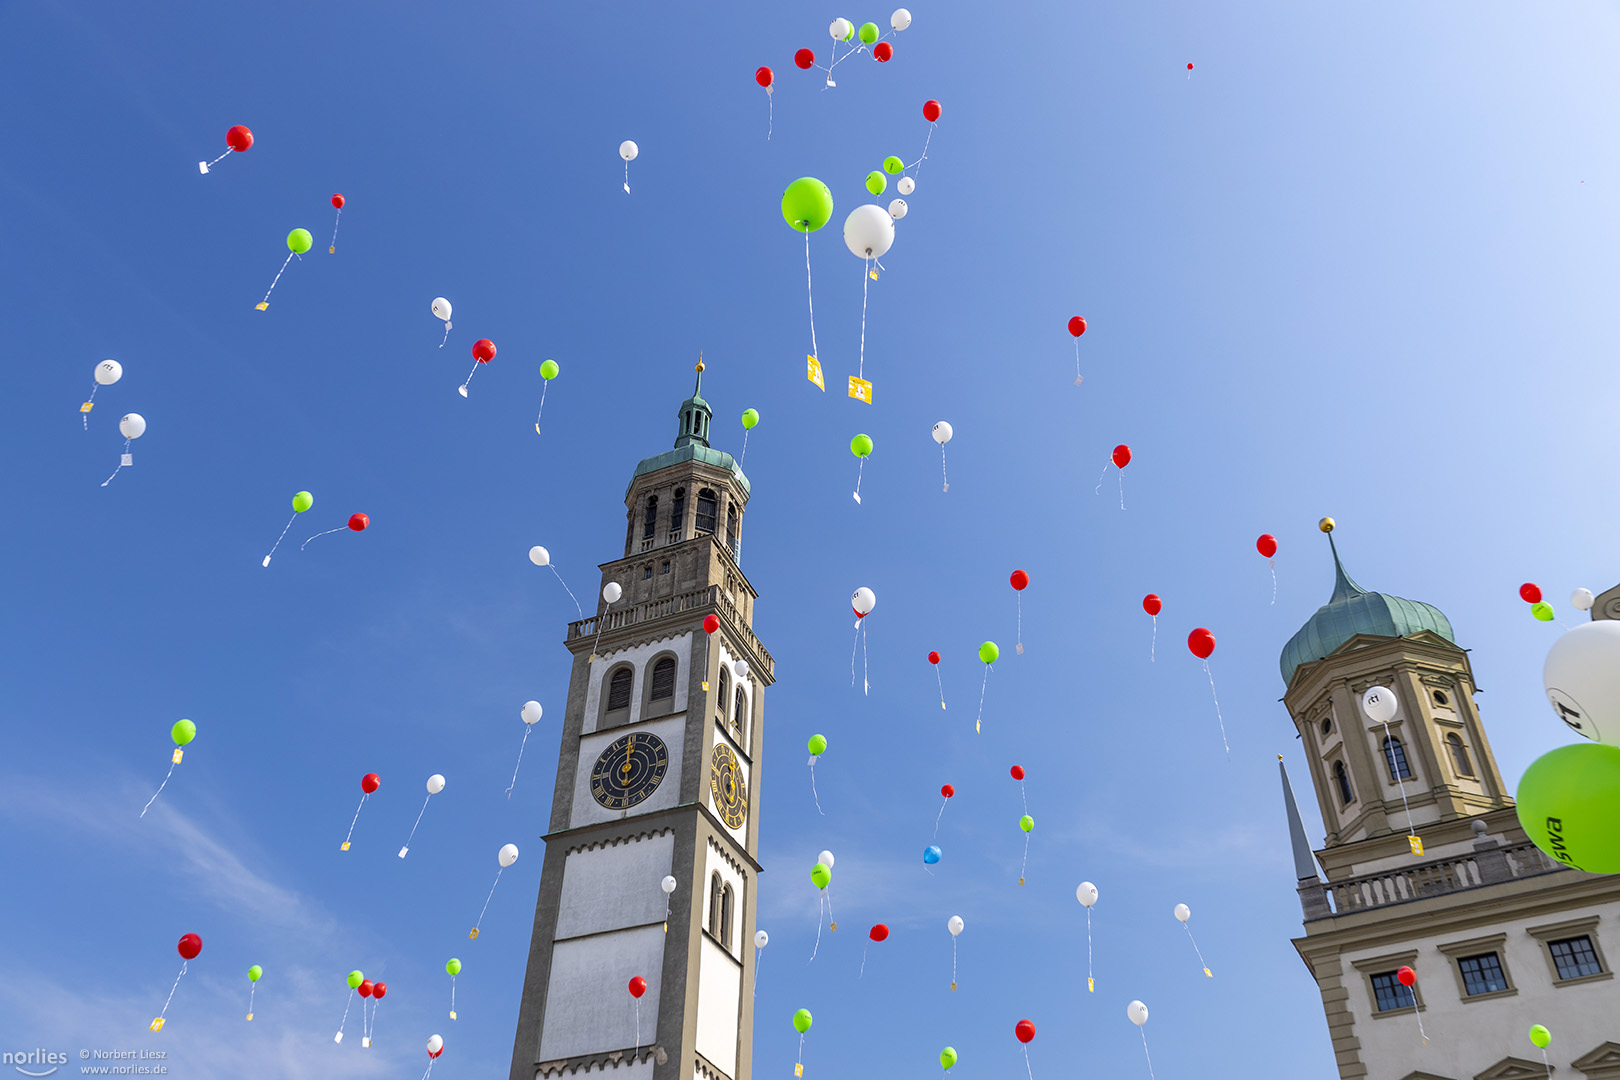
{"x":931,"y":854}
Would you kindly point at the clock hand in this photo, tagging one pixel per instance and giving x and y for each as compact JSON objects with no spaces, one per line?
{"x":629,"y":748}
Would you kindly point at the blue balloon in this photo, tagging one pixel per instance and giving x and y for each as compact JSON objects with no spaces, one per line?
{"x":931,"y":854}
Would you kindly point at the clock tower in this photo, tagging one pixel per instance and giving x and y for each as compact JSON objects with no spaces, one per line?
{"x":658,"y":777}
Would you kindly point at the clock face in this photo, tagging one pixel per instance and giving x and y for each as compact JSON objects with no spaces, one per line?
{"x":629,"y":770}
{"x":729,"y":789}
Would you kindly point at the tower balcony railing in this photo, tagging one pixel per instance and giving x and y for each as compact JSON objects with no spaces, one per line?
{"x":698,"y":599}
{"x":1484,"y":866}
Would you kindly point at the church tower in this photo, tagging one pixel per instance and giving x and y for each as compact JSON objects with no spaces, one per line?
{"x":658,"y":777}
{"x":1427,"y":867}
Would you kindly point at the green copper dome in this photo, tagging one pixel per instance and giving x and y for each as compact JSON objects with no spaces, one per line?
{"x":692,"y":442}
{"x":1353,"y":610}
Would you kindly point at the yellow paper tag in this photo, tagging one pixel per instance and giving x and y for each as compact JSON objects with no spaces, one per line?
{"x":953,"y":986}
{"x":178,"y":755}
{"x":815,"y":374}
{"x":1416,"y":843}
{"x":860,"y":389}
{"x":473,"y":934}
{"x":835,"y":928}
{"x":1091,"y":985}
{"x":1020,"y":882}
{"x":798,"y":1069}
{"x":1208,"y":972}
{"x":452,"y":1014}
{"x":331,"y":250}
{"x":265,"y":306}
{"x":157,"y":1024}
{"x":345,"y":846}
{"x":250,"y":1016}
{"x":86,"y":407}
{"x":705,"y":686}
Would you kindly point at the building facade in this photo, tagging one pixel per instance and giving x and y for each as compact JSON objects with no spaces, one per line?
{"x":658,"y":777}
{"x":1499,"y":936}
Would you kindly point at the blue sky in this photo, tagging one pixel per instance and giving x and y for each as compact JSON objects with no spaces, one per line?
{"x":1360,"y":263}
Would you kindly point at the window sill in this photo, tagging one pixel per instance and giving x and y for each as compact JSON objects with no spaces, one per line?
{"x":1579,"y":979}
{"x":1509,"y":992}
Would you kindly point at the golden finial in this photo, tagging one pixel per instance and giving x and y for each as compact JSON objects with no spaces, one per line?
{"x":1326,"y":524}
{"x":700,"y":361}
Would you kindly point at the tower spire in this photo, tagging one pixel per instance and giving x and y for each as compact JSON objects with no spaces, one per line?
{"x":1344,"y":586}
{"x":1304,"y":862}
{"x":695,"y":414}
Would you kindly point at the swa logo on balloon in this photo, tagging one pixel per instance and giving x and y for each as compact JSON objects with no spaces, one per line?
{"x":1555,"y":838}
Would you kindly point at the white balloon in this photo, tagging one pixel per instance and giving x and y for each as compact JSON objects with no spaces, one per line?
{"x":531,"y":712}
{"x":133,"y":425}
{"x":1379,"y":703}
{"x":741,"y":668}
{"x":955,"y":925}
{"x":1581,"y":599}
{"x":897,"y":209}
{"x":441,"y":308}
{"x":863,"y":600}
{"x":628,"y":150}
{"x":825,"y":859}
{"x":869,"y":231}
{"x":906,"y":185}
{"x":539,"y":556}
{"x":1183,"y":912}
{"x":109,"y":372}
{"x":840,"y":29}
{"x":435,"y":784}
{"x":761,"y":939}
{"x":943,"y":432}
{"x":1137,"y":1012}
{"x":1086,"y":893}
{"x":668,"y":885}
{"x":1582,"y":678}
{"x":611,"y":592}
{"x":508,"y":855}
{"x":900,"y":19}
{"x":434,"y":1044}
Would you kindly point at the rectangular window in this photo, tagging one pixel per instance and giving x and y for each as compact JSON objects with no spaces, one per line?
{"x":707,"y":507}
{"x":1482,"y":974}
{"x":663,"y":679}
{"x":1574,"y":957}
{"x":1390,"y":993}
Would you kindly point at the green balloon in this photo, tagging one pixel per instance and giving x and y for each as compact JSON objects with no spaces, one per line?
{"x":453,"y":966}
{"x":876,"y":182}
{"x":1540,"y":1036}
{"x":1542,"y":610}
{"x":807,"y":205}
{"x":947,"y":1057}
{"x":893,"y":165}
{"x":254,"y":973}
{"x":302,"y":501}
{"x":548,"y":370}
{"x":1568,"y":803}
{"x":869,"y":32}
{"x":1026,"y":823}
{"x":355,"y":979}
{"x":183,"y":732}
{"x":802,"y":1021}
{"x":822,"y":878}
{"x":750,"y":418}
{"x":860,"y":445}
{"x":818,"y":744}
{"x":851,"y":35}
{"x":988,"y":652}
{"x":299,"y":241}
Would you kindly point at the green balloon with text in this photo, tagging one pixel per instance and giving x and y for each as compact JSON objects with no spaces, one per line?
{"x":820,"y":875}
{"x":183,"y":732}
{"x":453,"y":966}
{"x":1540,"y":1036}
{"x":750,"y":418}
{"x":876,"y":182}
{"x":807,"y":204}
{"x":893,"y":165}
{"x":355,"y":979}
{"x":817,"y":744}
{"x":299,"y":241}
{"x":802,"y":1021}
{"x":549,"y":370}
{"x":302,"y":501}
{"x":861,"y":445}
{"x":988,"y":652}
{"x":947,"y":1057}
{"x":869,"y":32}
{"x":1569,"y":804}
{"x":255,"y":973}
{"x":1026,"y":823}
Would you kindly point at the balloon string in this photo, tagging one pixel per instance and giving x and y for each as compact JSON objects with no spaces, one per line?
{"x":1196,"y":951}
{"x":429,"y":1071}
{"x":222,"y":157}
{"x":1146,"y":1054}
{"x":745,"y":447}
{"x":419,"y":814}
{"x":251,"y":988}
{"x":1218,"y":718}
{"x":858,"y":470}
{"x":328,"y":532}
{"x":941,"y":680}
{"x":277,"y":278}
{"x":1019,"y":597}
{"x":1153,"y":649}
{"x":1022,"y":797}
{"x":158,"y":792}
{"x":809,"y":290}
{"x":365,"y":1020}
{"x":1389,"y":759}
{"x":943,"y":477}
{"x":84,"y":415}
{"x":469,"y":379}
{"x":1077,"y":377}
{"x":543,"y":386}
{"x":575,"y":599}
{"x":1122,"y":489}
{"x":638,"y":1028}
{"x":866,"y":666}
{"x":759,"y":958}
{"x":627,"y":177}
{"x":109,"y":479}
{"x":280,"y":538}
{"x":854,"y":647}
{"x":1025,"y":864}
{"x":452,"y":995}
{"x":173,"y":988}
{"x":335,"y":223}
{"x":487,"y":899}
{"x":446,"y":333}
{"x":1545,"y":1063}
{"x":862,"y":973}
{"x":1273,"y":564}
{"x":821,"y":909}
{"x":357,"y":810}
{"x":866,"y":280}
{"x":519,"y":765}
{"x":345,"y":1021}
{"x":953,"y":959}
{"x":770,"y":113}
{"x":1090,"y":981}
{"x":918,"y":163}
{"x":978,"y":723}
{"x":813,"y":794}
{"x":1101,"y":476}
{"x":1419,"y":1014}
{"x":943,"y":803}
{"x":1027,"y":1069}
{"x":374,"y":1004}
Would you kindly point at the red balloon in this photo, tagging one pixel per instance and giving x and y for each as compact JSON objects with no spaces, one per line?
{"x":1152,"y":604}
{"x":358,"y":522}
{"x":337,"y":201}
{"x":365,"y":988}
{"x":711,"y":623}
{"x":190,"y":945}
{"x":370,"y":782}
{"x":882,"y":51}
{"x":1077,"y":325}
{"x":1020,"y":580}
{"x":483,"y":350}
{"x":1017,"y":772}
{"x":1025,"y":1030}
{"x":1266,"y":545}
{"x":1530,"y":592}
{"x":764,"y":76}
{"x":1189,"y":67}
{"x":947,"y":791}
{"x":930,"y":110}
{"x":879,"y":933}
{"x":1406,"y":975}
{"x":1201,"y":642}
{"x":804,"y":58}
{"x":436,"y":1053}
{"x":1122,"y":455}
{"x":239,"y":138}
{"x":933,"y":658}
{"x":638,"y":986}
{"x":379,"y":990}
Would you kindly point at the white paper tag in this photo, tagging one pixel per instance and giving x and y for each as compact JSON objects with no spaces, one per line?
{"x":202,"y":167}
{"x":857,"y":495}
{"x":126,"y":459}
{"x":338,"y":1037}
{"x":365,"y":1042}
{"x":402,"y":851}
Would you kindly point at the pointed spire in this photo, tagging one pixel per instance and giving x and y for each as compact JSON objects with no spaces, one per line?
{"x":1344,"y":586}
{"x":695,"y":414}
{"x":1304,"y":862}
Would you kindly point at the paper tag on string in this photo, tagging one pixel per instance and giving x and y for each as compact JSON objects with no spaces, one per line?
{"x":1208,"y":972}
{"x":125,"y":459}
{"x":860,"y":389}
{"x":344,"y":846}
{"x":262,"y":306}
{"x":705,"y":686}
{"x":178,"y":754}
{"x":1416,"y":843}
{"x":250,"y":1016}
{"x":1091,"y":985}
{"x":365,"y":1042}
{"x":473,"y":936}
{"x":815,"y":373}
{"x":953,"y":986}
{"x":157,"y":1024}
{"x":798,"y":1070}
{"x":1020,"y":882}
{"x":86,"y":407}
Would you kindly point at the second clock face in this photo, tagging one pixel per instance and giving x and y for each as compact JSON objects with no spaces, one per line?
{"x":629,"y":770}
{"x":728,"y":787}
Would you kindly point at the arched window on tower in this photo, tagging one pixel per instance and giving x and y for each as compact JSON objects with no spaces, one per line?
{"x":649,"y":523}
{"x":1341,"y":776}
{"x":663,"y":679}
{"x":616,"y":710}
{"x":716,"y":894}
{"x":739,"y":711}
{"x":724,"y":692}
{"x":1395,"y":758}
{"x":731,"y":529}
{"x":677,"y":516}
{"x":707,"y":508}
{"x":1459,"y":754}
{"x":726,"y":897}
